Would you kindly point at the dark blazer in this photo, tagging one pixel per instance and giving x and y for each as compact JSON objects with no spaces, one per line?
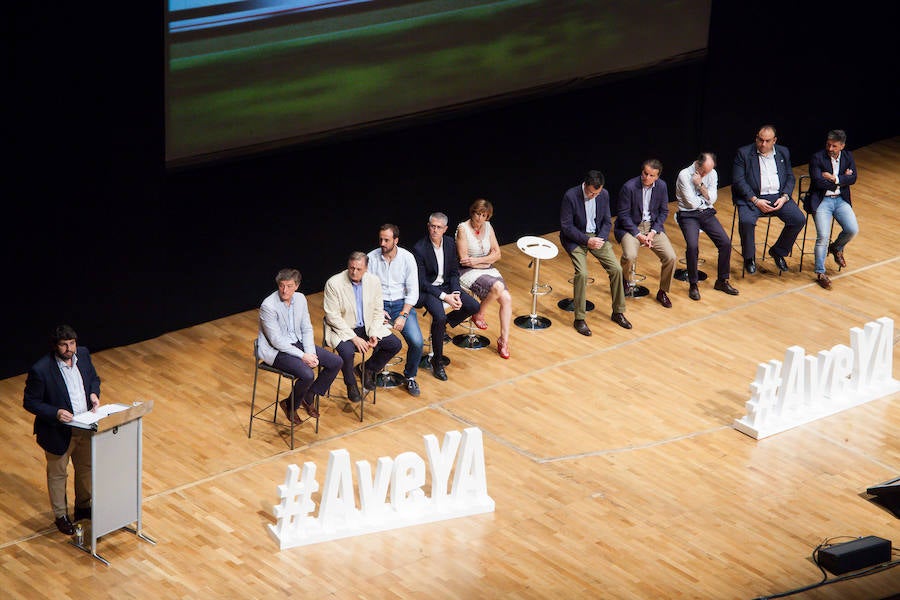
{"x":746,"y":178}
{"x":46,"y":393}
{"x":573,"y":218}
{"x":428,"y":267}
{"x":820,"y":162}
{"x":631,"y":207}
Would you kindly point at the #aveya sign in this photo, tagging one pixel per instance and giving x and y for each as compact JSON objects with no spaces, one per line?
{"x":805,"y":388}
{"x":393,"y":498}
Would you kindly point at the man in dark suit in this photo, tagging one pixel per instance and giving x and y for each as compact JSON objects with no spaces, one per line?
{"x":762,"y":184}
{"x":60,"y":385}
{"x":831,"y":171}
{"x":439,"y":286}
{"x":584,"y":224}
{"x":642,"y":212}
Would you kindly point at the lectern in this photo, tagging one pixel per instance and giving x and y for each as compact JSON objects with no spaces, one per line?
{"x":115,"y":473}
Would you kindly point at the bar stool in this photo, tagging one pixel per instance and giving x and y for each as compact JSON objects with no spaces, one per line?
{"x":425,"y":361}
{"x":471,"y":340}
{"x":260,"y":365}
{"x":633,"y":289}
{"x":569,"y":303}
{"x":538,"y":249}
{"x":682,"y":274}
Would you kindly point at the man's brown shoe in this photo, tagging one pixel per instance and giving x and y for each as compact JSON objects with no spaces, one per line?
{"x":286,"y":407}
{"x":582,"y":327}
{"x":838,"y":256}
{"x":823,"y":281}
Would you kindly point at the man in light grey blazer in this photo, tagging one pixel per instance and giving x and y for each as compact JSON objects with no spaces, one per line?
{"x":286,"y":342}
{"x":354,"y":318}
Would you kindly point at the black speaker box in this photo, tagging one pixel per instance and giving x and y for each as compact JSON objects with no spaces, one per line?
{"x":854,"y":555}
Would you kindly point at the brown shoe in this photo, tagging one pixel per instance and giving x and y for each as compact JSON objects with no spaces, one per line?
{"x":310,"y":405}
{"x":582,"y":328}
{"x":286,"y":407}
{"x":663,"y":298}
{"x":823,"y":281}
{"x":838,"y":256}
{"x":620,"y":320}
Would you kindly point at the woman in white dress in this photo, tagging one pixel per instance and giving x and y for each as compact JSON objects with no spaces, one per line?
{"x":478,"y":251}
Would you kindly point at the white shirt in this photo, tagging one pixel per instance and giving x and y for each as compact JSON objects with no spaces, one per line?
{"x":836,"y":171}
{"x":399,"y":277}
{"x":439,"y":255}
{"x":768,"y":174}
{"x":590,"y":211}
{"x":74,"y":384}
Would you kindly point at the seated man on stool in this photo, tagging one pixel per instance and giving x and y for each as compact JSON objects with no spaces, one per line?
{"x":286,"y":342}
{"x":354,"y":315}
{"x":696,"y":191}
{"x":762,"y":184}
{"x":397,"y":270}
{"x":439,"y":284}
{"x":832,"y":171}
{"x":642,"y":212}
{"x":584,"y":224}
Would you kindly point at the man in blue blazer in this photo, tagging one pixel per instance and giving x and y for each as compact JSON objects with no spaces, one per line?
{"x":762,"y":184}
{"x":62,"y":384}
{"x":584,"y":225}
{"x":831,"y":171}
{"x":439,"y":285}
{"x":642,"y":212}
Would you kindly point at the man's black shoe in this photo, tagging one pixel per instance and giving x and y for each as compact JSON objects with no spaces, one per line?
{"x":65,"y":525}
{"x":723,"y":286}
{"x":694,"y":292}
{"x":750,"y":265}
{"x":353,"y":393}
{"x":368,"y":379}
{"x":779,"y":261}
{"x":437,"y":368}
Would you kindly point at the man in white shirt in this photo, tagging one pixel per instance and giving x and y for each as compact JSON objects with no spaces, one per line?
{"x":696,"y":192}
{"x":762,"y":184}
{"x":396,"y":268}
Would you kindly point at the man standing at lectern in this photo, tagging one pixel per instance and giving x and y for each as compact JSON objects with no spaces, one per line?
{"x":62,"y":384}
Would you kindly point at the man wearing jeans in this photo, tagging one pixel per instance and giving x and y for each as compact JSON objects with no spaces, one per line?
{"x":832,"y":171}
{"x":397,"y":270}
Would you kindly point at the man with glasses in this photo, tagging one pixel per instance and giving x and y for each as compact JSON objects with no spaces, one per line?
{"x":762,"y":184}
{"x":438,"y":268}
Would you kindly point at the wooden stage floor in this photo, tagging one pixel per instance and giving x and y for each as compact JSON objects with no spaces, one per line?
{"x":612,"y":460}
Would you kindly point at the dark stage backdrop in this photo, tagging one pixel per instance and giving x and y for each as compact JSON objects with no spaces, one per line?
{"x":98,"y":234}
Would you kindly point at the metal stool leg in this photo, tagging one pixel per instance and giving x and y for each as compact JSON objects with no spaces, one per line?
{"x":569,"y":303}
{"x":533,"y":321}
{"x":471,"y":340}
